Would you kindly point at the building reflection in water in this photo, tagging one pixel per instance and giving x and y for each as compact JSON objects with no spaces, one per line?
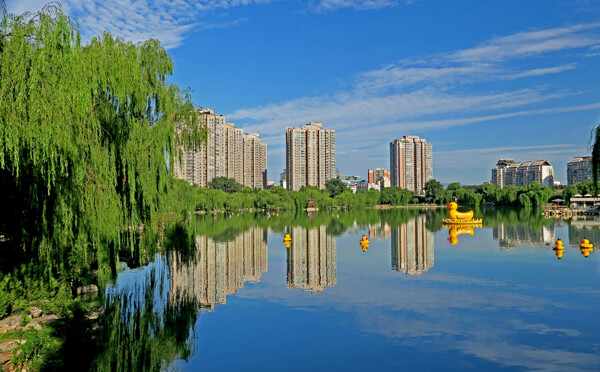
{"x":509,"y":237}
{"x":380,"y":230}
{"x":412,"y":247}
{"x":218,"y":269}
{"x":584,"y":228}
{"x":311,"y":259}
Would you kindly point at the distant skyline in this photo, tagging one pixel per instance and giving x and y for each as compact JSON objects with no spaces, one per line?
{"x":479,"y":80}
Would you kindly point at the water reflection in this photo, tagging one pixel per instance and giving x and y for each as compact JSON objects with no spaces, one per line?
{"x":218,"y":268}
{"x":143,"y":332}
{"x":455,"y":230}
{"x":412,"y":246}
{"x":380,"y":231}
{"x":470,"y":301}
{"x":584,"y":228}
{"x":311,"y":259}
{"x":511,"y":236}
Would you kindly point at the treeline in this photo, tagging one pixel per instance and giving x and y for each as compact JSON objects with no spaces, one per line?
{"x":532,"y":195}
{"x":225,"y":194}
{"x":231,"y":197}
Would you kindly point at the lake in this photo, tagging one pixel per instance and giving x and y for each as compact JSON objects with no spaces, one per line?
{"x":422,"y":296}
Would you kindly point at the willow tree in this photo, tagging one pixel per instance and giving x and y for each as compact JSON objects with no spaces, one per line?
{"x":84,"y":134}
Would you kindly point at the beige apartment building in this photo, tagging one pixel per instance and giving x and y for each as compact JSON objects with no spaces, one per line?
{"x":510,"y":172}
{"x":228,"y":152}
{"x":310,"y":156}
{"x":411,"y":163}
{"x":579,"y":169}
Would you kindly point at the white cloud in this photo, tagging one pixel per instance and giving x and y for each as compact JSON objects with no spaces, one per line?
{"x":504,"y":149}
{"x":542,"y":71}
{"x":329,"y":5}
{"x":166,"y":20}
{"x":524,"y":44}
{"x":438,"y":91}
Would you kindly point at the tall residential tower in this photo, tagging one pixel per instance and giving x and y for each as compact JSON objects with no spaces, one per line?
{"x":227,"y":152}
{"x":310,"y":155}
{"x":411,"y":163}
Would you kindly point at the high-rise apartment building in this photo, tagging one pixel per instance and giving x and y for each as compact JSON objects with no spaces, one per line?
{"x":510,"y":172}
{"x":412,"y":246}
{"x":228,"y":152}
{"x":411,"y":163}
{"x":310,"y":156}
{"x":380,"y":177}
{"x":579,"y":169}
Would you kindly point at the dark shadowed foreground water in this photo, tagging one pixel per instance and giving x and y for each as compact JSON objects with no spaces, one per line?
{"x":419,"y":298}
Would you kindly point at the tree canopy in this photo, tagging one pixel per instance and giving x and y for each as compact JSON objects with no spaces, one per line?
{"x":229,"y":185}
{"x":335,"y":187}
{"x":84,"y":133}
{"x":434,"y":190}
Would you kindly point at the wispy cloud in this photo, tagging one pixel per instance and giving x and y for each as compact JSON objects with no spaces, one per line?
{"x":524,"y":44}
{"x":166,"y":20}
{"x":329,"y":5}
{"x":542,"y":71}
{"x":506,"y":148}
{"x":442,"y":90}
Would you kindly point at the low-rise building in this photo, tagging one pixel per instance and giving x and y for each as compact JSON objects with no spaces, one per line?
{"x":379,"y":176}
{"x":510,"y":172}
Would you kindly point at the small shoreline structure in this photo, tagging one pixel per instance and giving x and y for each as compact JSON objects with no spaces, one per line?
{"x":579,"y":205}
{"x":565,"y":212}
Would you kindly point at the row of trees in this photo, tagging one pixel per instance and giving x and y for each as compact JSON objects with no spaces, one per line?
{"x":225,"y":194}
{"x":532,"y":195}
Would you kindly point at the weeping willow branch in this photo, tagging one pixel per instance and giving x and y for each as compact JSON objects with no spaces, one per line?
{"x":76,"y":121}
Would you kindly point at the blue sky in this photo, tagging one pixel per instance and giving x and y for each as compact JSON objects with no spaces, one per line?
{"x":480,"y":80}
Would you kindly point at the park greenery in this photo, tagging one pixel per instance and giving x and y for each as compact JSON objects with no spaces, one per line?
{"x":84,"y":133}
{"x":227,"y":195}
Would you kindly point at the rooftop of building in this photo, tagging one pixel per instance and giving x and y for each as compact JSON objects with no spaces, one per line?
{"x":409,"y":139}
{"x":577,"y":159}
{"x":530,"y":163}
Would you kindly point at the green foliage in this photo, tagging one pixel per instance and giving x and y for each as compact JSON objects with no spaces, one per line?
{"x":395,"y":196}
{"x":335,"y":187}
{"x":568,"y":192}
{"x":83,"y":135}
{"x":32,"y":354}
{"x":454,"y":186}
{"x":229,"y":185}
{"x":434,"y":190}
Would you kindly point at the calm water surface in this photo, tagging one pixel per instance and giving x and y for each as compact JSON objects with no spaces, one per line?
{"x":420,"y":297}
